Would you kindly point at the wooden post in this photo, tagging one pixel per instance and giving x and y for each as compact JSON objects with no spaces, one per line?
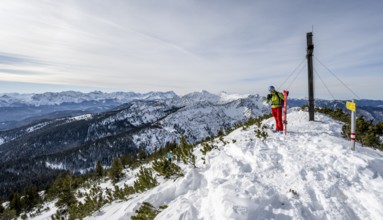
{"x":310,"y":50}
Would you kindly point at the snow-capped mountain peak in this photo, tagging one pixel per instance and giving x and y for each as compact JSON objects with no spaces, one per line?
{"x":226,"y":97}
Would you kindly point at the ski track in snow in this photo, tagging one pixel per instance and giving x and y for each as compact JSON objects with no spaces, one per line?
{"x":311,"y":173}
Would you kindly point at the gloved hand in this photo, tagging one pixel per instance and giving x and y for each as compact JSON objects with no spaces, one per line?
{"x":269,"y":96}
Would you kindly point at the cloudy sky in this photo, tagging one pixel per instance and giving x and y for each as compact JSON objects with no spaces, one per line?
{"x":191,"y":45}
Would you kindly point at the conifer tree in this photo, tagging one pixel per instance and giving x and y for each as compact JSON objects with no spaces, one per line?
{"x":54,"y":190}
{"x":147,"y":212}
{"x":142,"y":155}
{"x":31,"y":197}
{"x":66,"y":195}
{"x":184,"y":152}
{"x":131,"y":161}
{"x":99,"y":169}
{"x":115,"y":172}
{"x":15,"y":203}
{"x":166,"y":168}
{"x":205,"y":149}
{"x":124,"y":161}
{"x":145,"y":180}
{"x":1,"y":206}
{"x":8,"y":214}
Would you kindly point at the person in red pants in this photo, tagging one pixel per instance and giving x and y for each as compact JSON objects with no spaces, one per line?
{"x":276,"y":99}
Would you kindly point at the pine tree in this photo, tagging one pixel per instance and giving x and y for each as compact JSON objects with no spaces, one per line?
{"x":99,"y":169}
{"x":184,"y":152}
{"x":145,"y":212}
{"x":145,"y":180}
{"x":124,"y":161}
{"x":131,"y":161}
{"x":15,"y":203}
{"x":54,"y":190}
{"x":205,"y":149}
{"x":1,"y":206}
{"x":8,"y":214}
{"x":31,"y":197}
{"x":142,"y":155}
{"x":166,"y":168}
{"x":115,"y":172}
{"x":66,"y":195}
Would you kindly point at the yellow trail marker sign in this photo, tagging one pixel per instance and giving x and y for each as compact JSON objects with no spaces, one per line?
{"x":351,"y":106}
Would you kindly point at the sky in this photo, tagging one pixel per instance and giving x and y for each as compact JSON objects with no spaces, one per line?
{"x":192,"y":45}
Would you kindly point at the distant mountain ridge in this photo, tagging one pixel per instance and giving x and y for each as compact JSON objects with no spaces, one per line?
{"x":17,"y":110}
{"x":21,"y":109}
{"x":58,"y":98}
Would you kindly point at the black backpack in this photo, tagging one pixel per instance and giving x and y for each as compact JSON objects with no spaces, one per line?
{"x":282,"y":101}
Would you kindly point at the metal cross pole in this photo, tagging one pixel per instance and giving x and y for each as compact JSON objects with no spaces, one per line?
{"x":309,"y":56}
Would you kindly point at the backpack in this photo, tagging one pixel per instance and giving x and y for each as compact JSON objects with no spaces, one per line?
{"x":282,"y":101}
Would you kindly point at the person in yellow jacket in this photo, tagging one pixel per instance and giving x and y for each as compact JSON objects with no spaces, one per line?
{"x":276,"y":99}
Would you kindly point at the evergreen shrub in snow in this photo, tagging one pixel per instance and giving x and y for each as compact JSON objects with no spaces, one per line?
{"x":145,"y":180}
{"x":261,"y":133}
{"x":115,"y":172}
{"x":166,"y":168}
{"x":147,"y":212}
{"x":367,"y":133}
{"x":184,"y":152}
{"x":205,"y":149}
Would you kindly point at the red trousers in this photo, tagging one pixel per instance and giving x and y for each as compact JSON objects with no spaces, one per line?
{"x":277,"y":113}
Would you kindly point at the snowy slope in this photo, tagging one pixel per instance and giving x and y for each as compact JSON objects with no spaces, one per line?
{"x":309,"y":174}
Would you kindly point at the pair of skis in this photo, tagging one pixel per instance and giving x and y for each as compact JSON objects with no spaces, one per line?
{"x":285,"y":94}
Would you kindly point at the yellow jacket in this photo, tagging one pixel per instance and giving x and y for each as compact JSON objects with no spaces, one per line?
{"x":276,"y":99}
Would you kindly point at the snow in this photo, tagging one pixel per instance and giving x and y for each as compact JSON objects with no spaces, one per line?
{"x":225,"y":97}
{"x":37,"y":127}
{"x":205,"y":96}
{"x":311,"y":173}
{"x":80,"y":117}
{"x":55,"y":166}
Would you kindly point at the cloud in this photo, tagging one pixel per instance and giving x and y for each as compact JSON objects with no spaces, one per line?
{"x":19,"y":72}
{"x":13,"y":59}
{"x":240,"y":46}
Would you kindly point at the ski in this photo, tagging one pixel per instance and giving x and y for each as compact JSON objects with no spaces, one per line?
{"x":285,"y":94}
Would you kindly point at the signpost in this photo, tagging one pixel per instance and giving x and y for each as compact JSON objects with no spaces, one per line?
{"x":352,"y":107}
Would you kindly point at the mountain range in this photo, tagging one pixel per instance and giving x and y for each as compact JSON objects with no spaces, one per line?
{"x":37,"y":151}
{"x":45,"y":134}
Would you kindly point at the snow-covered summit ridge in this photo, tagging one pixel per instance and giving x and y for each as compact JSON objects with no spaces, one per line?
{"x":311,"y":173}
